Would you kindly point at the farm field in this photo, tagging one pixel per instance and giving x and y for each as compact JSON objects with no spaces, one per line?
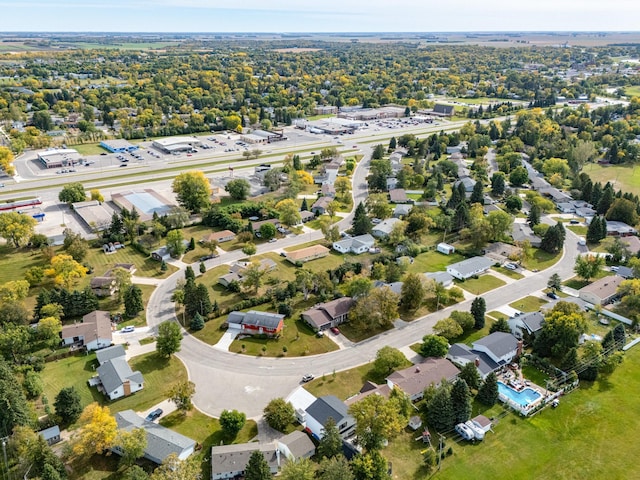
{"x":623,"y":177}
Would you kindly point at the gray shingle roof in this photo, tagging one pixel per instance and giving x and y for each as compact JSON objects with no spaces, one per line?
{"x":327,"y":407}
{"x":161,"y":441}
{"x":484,"y":363}
{"x":533,"y":321}
{"x":255,"y":318}
{"x":109,"y":353}
{"x":298,"y":443}
{"x":500,"y":343}
{"x":114,"y":372}
{"x":234,"y":458}
{"x":471,"y":265}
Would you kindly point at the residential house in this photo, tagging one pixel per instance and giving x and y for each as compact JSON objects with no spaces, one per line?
{"x":446,"y":279}
{"x":105,"y":355}
{"x":307,"y":254}
{"x":220,"y":237}
{"x":470,"y":267}
{"x":236,"y":271}
{"x":306,"y":216}
{"x":296,"y":445}
{"x":489,"y":353}
{"x":625,"y":272}
{"x":255,"y":226}
{"x":384,"y":228}
{"x":468,"y":183}
{"x":414,"y":380}
{"x":620,"y":229}
{"x":445,"y":248}
{"x":398,"y":195}
{"x":602,"y":291}
{"x":566,"y":207}
{"x":328,"y":314}
{"x":526,"y":325}
{"x":328,"y":190}
{"x":324,"y":408}
{"x":256,"y":323}
{"x":104,"y":286}
{"x":230,"y":461}
{"x":92,"y":333}
{"x":116,"y":379}
{"x":320,"y":206}
{"x":51,"y":435}
{"x":501,"y":252}
{"x":392,"y":182}
{"x":396,"y":161}
{"x":355,"y":245}
{"x":586,"y":213}
{"x":369,"y":388}
{"x":554,"y":194}
{"x":402,"y":210}
{"x":395,"y":287}
{"x":161,"y":441}
{"x":521,"y":232}
{"x":161,"y":254}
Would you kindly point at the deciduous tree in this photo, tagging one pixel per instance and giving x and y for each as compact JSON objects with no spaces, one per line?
{"x":16,"y":228}
{"x":181,"y":394}
{"x":232,"y":422}
{"x":169,"y":339}
{"x":65,"y":271}
{"x":131,"y":445}
{"x":98,"y":432}
{"x":238,"y":189}
{"x":72,"y":193}
{"x":279,"y":413}
{"x":192,"y":190}
{"x":434,"y":346}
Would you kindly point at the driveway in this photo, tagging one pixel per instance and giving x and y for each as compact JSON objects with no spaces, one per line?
{"x":227,"y":338}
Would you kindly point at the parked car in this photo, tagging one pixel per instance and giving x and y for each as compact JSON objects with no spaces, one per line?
{"x":207,"y":257}
{"x":128,"y":329}
{"x":307,"y":378}
{"x":335,"y":330}
{"x":510,"y":266}
{"x":553,"y":295}
{"x":154,"y":415}
{"x":124,"y":165}
{"x":273,"y":240}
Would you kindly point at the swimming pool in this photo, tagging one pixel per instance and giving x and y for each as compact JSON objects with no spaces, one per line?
{"x":523,"y":398}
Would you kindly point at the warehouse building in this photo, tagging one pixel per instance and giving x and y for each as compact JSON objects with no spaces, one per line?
{"x":118,"y":146}
{"x":176,"y":144}
{"x":59,"y":157}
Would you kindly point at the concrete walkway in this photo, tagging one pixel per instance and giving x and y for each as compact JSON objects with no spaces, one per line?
{"x":225,"y":342}
{"x":340,"y":340}
{"x":146,"y":281}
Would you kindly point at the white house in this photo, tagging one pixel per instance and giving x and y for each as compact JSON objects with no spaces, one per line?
{"x":470,"y":267}
{"x":161,"y":441}
{"x":489,"y":353}
{"x":355,"y":245}
{"x":92,"y":333}
{"x":325,"y":408}
{"x":445,"y":248}
{"x":115,"y":377}
{"x":296,"y":445}
{"x":384,"y":228}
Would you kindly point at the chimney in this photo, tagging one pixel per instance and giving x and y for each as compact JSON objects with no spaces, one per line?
{"x":519,"y":349}
{"x":417,"y":369}
{"x":477,"y":362}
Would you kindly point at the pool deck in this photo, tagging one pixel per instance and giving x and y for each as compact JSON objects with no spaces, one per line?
{"x":512,"y":378}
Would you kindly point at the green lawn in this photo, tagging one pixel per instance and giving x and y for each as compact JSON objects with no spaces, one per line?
{"x":16,"y":262}
{"x":587,"y":436}
{"x":159,"y":376}
{"x":498,"y":315}
{"x":207,"y":432}
{"x":146,"y":267}
{"x":623,"y":177}
{"x":633,"y":91}
{"x":541,"y":260}
{"x":508,"y":273}
{"x":528,"y":304}
{"x":578,"y":229}
{"x":343,"y":384}
{"x":89,"y":149}
{"x":433,"y":261}
{"x":358,"y":335}
{"x":480,"y":285}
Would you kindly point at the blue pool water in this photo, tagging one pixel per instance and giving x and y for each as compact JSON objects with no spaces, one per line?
{"x":523,"y":397}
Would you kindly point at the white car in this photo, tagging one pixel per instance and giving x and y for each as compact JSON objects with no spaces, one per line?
{"x":510,"y":266}
{"x":128,"y":329}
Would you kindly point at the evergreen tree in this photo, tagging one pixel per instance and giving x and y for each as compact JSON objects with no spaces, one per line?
{"x":553,"y":239}
{"x":330,"y":444}
{"x":477,"y":195}
{"x":497,"y":184}
{"x":596,"y":194}
{"x":533,"y":218}
{"x":603,"y":228}
{"x":203,"y":267}
{"x":488,"y":392}
{"x":133,"y":301}
{"x":361,"y":222}
{"x":257,"y":467}
{"x":439,"y":410}
{"x":203,"y":302}
{"x":461,"y":216}
{"x":619,"y":336}
{"x":297,"y":164}
{"x":15,"y":409}
{"x":197,"y":322}
{"x":608,"y":343}
{"x":189,"y":273}
{"x":500,"y":325}
{"x":460,"y":401}
{"x":68,"y":405}
{"x":304,"y":207}
{"x":469,"y":373}
{"x":570,"y":360}
{"x":392,"y":144}
{"x":593,"y":231}
{"x":478,"y":309}
{"x":606,"y":200}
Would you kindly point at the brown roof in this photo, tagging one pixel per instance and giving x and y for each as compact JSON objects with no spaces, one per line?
{"x":217,"y":236}
{"x":317,"y":317}
{"x":398,"y":195}
{"x":95,"y":323}
{"x":604,"y":288}
{"x":311,"y":251}
{"x":256,"y":225}
{"x":322,"y":202}
{"x":99,"y":282}
{"x":369,"y":388}
{"x":415,"y":379}
{"x":338,"y":307}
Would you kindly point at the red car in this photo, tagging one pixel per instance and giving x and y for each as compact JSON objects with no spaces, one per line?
{"x":335,"y":330}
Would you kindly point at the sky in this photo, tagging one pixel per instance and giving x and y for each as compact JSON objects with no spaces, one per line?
{"x":318,"y":15}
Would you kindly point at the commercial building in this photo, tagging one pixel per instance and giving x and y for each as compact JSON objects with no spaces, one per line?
{"x":59,"y":157}
{"x":146,"y":202}
{"x":118,"y":146}
{"x":262,"y":136}
{"x":97,"y":216}
{"x":176,"y":144}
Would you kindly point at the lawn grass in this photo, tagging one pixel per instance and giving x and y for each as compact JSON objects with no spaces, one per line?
{"x":159,"y":376}
{"x":632,"y":91}
{"x":433,"y":261}
{"x":207,"y":432}
{"x":508,"y":273}
{"x":89,"y":149}
{"x":480,"y":285}
{"x":146,"y":266}
{"x":15,"y":262}
{"x":623,"y":177}
{"x":358,"y":335}
{"x":343,"y":384}
{"x":541,"y":260}
{"x":528,"y":304}
{"x":497,"y":315}
{"x":583,"y":438}
{"x":578,"y":229}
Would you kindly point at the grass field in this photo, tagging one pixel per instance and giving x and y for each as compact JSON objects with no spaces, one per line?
{"x":433,"y":261}
{"x":623,"y":177}
{"x":633,"y":91}
{"x":508,"y":273}
{"x":541,"y":260}
{"x":497,"y":315}
{"x":583,"y":438}
{"x":89,"y":149}
{"x":528,"y":304}
{"x":159,"y":376}
{"x":480,"y":285}
{"x":16,"y":262}
{"x":146,"y":267}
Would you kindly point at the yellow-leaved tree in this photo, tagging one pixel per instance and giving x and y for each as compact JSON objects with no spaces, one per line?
{"x":98,"y":432}
{"x":65,"y":271}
